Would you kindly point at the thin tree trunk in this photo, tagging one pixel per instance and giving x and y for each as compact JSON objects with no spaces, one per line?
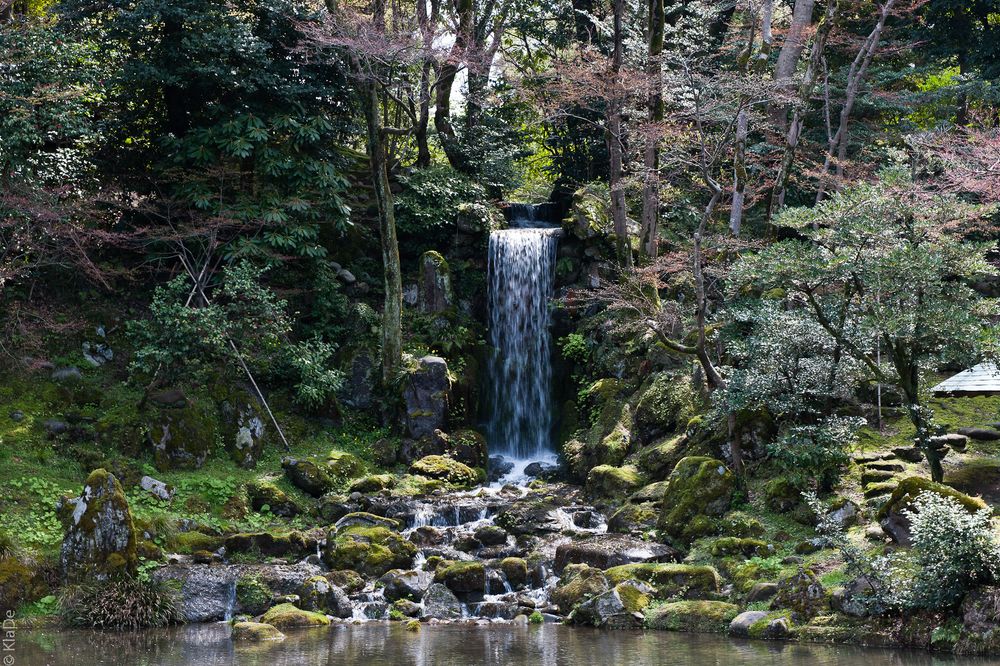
{"x":446,"y":79}
{"x":798,"y":114}
{"x":739,"y":174}
{"x":614,"y":139}
{"x":855,"y":76}
{"x":651,"y":183}
{"x":425,"y":23}
{"x":788,"y":58}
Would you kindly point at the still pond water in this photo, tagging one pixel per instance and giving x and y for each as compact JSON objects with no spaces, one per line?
{"x":443,"y":645}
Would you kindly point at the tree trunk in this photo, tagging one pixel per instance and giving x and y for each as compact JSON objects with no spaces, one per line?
{"x":651,"y":183}
{"x":788,"y":58}
{"x":855,"y":76}
{"x":446,"y":79}
{"x":392,"y":344}
{"x":798,"y":114}
{"x":739,"y":174}
{"x":614,"y":139}
{"x":425,"y":23}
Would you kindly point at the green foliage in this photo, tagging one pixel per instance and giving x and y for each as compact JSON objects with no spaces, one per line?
{"x":815,"y":454}
{"x":119,"y":603}
{"x":317,"y":382}
{"x":574,"y":348}
{"x":536,"y":618}
{"x":430,"y":200}
{"x":8,"y":545}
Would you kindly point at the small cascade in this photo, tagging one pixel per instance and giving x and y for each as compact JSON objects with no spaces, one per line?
{"x":521,"y":278}
{"x":230,"y":603}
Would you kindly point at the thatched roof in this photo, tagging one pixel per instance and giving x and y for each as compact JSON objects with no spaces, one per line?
{"x":980,"y":379}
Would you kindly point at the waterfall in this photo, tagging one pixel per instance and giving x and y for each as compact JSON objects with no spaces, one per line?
{"x":521,"y":276}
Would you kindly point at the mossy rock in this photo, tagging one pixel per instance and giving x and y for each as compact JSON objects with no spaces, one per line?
{"x":434,"y":291}
{"x":308,"y":476}
{"x":253,"y":595}
{"x":739,"y":524}
{"x":100,"y":538}
{"x":659,"y":459}
{"x":243,"y":423}
{"x":447,"y":469}
{"x":802,"y":594}
{"x":347,"y":580}
{"x":892,"y":515}
{"x":462,"y":577}
{"x":515,"y":569}
{"x":344,"y":466}
{"x":182,"y":438}
{"x":620,"y":607}
{"x":264,"y":494}
{"x":634,"y":519}
{"x":467,"y":446}
{"x":747,"y":548}
{"x":693,"y":616}
{"x":698,"y":486}
{"x":271,"y":544}
{"x":18,"y":585}
{"x":589,"y":216}
{"x":578,"y":583}
{"x":370,"y":551}
{"x":365,"y":519}
{"x":695,"y":581}
{"x":191,"y":541}
{"x":666,"y":403}
{"x":780,"y":495}
{"x":608,"y":441}
{"x":256,"y":631}
{"x":288,"y":616}
{"x":652,"y":492}
{"x":776,"y":625}
{"x":613,"y":482}
{"x":372,"y":484}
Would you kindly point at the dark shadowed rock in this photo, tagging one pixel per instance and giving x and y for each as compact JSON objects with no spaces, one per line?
{"x":440,"y":603}
{"x":610,"y":550}
{"x":426,"y":396}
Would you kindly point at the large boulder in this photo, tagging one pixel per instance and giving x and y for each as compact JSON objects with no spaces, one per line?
{"x":434,"y":292}
{"x":244,"y":429}
{"x":666,"y":404}
{"x":440,"y":603}
{"x":100,"y":537}
{"x":412,"y":585}
{"x":426,"y":395}
{"x":265,"y":494}
{"x":289,"y":616}
{"x":360,"y":385}
{"x":256,"y":631}
{"x":694,"y":616}
{"x":611,"y":550}
{"x":371,"y":551}
{"x":447,"y":469}
{"x":606,"y":481}
{"x":620,"y":607}
{"x":803,"y":594}
{"x":308,"y":475}
{"x":462,"y":577}
{"x":669,"y":580}
{"x":181,"y":437}
{"x":319,"y":594}
{"x":698,"y":487}
{"x":579,"y":582}
{"x":892,"y":516}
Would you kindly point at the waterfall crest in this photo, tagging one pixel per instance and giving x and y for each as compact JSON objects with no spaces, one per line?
{"x":521,"y":277}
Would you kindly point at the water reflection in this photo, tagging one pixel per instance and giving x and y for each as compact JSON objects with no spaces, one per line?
{"x":385,"y":645}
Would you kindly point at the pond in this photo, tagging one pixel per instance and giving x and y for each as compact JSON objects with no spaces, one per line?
{"x":379,"y":644}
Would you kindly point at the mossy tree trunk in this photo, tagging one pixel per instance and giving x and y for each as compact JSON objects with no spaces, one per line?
{"x":614,"y":140}
{"x":651,"y":184}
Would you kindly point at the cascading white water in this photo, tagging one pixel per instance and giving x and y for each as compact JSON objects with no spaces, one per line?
{"x":521,"y":277}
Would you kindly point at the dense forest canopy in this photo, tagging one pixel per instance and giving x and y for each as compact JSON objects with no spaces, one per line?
{"x":777,"y":231}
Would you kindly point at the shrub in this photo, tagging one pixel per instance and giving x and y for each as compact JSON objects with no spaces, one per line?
{"x":815,"y":454}
{"x":953,"y":551}
{"x":317,"y":381}
{"x":120,"y":603}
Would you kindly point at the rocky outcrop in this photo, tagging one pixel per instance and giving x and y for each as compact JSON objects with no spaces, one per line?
{"x":208,"y":593}
{"x":434,"y":291}
{"x":181,"y":437}
{"x":802,"y":594}
{"x":319,"y":594}
{"x":611,"y":550}
{"x":244,"y":429}
{"x":426,"y":395}
{"x":892,"y":516}
{"x":100,"y":537}
{"x":698,"y":490}
{"x":666,"y":403}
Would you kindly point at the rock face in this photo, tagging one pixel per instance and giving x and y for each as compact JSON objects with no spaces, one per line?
{"x":181,"y":437}
{"x":666,"y":405}
{"x":434,"y":292}
{"x":699,"y":487}
{"x":426,"y":397}
{"x":360,"y":382}
{"x":410,"y":585}
{"x":308,"y":475}
{"x":100,"y":538}
{"x":244,"y":429}
{"x":319,"y":594}
{"x":209,"y":593}
{"x":892,"y":517}
{"x":611,"y":550}
{"x":578,"y":583}
{"x":440,"y":603}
